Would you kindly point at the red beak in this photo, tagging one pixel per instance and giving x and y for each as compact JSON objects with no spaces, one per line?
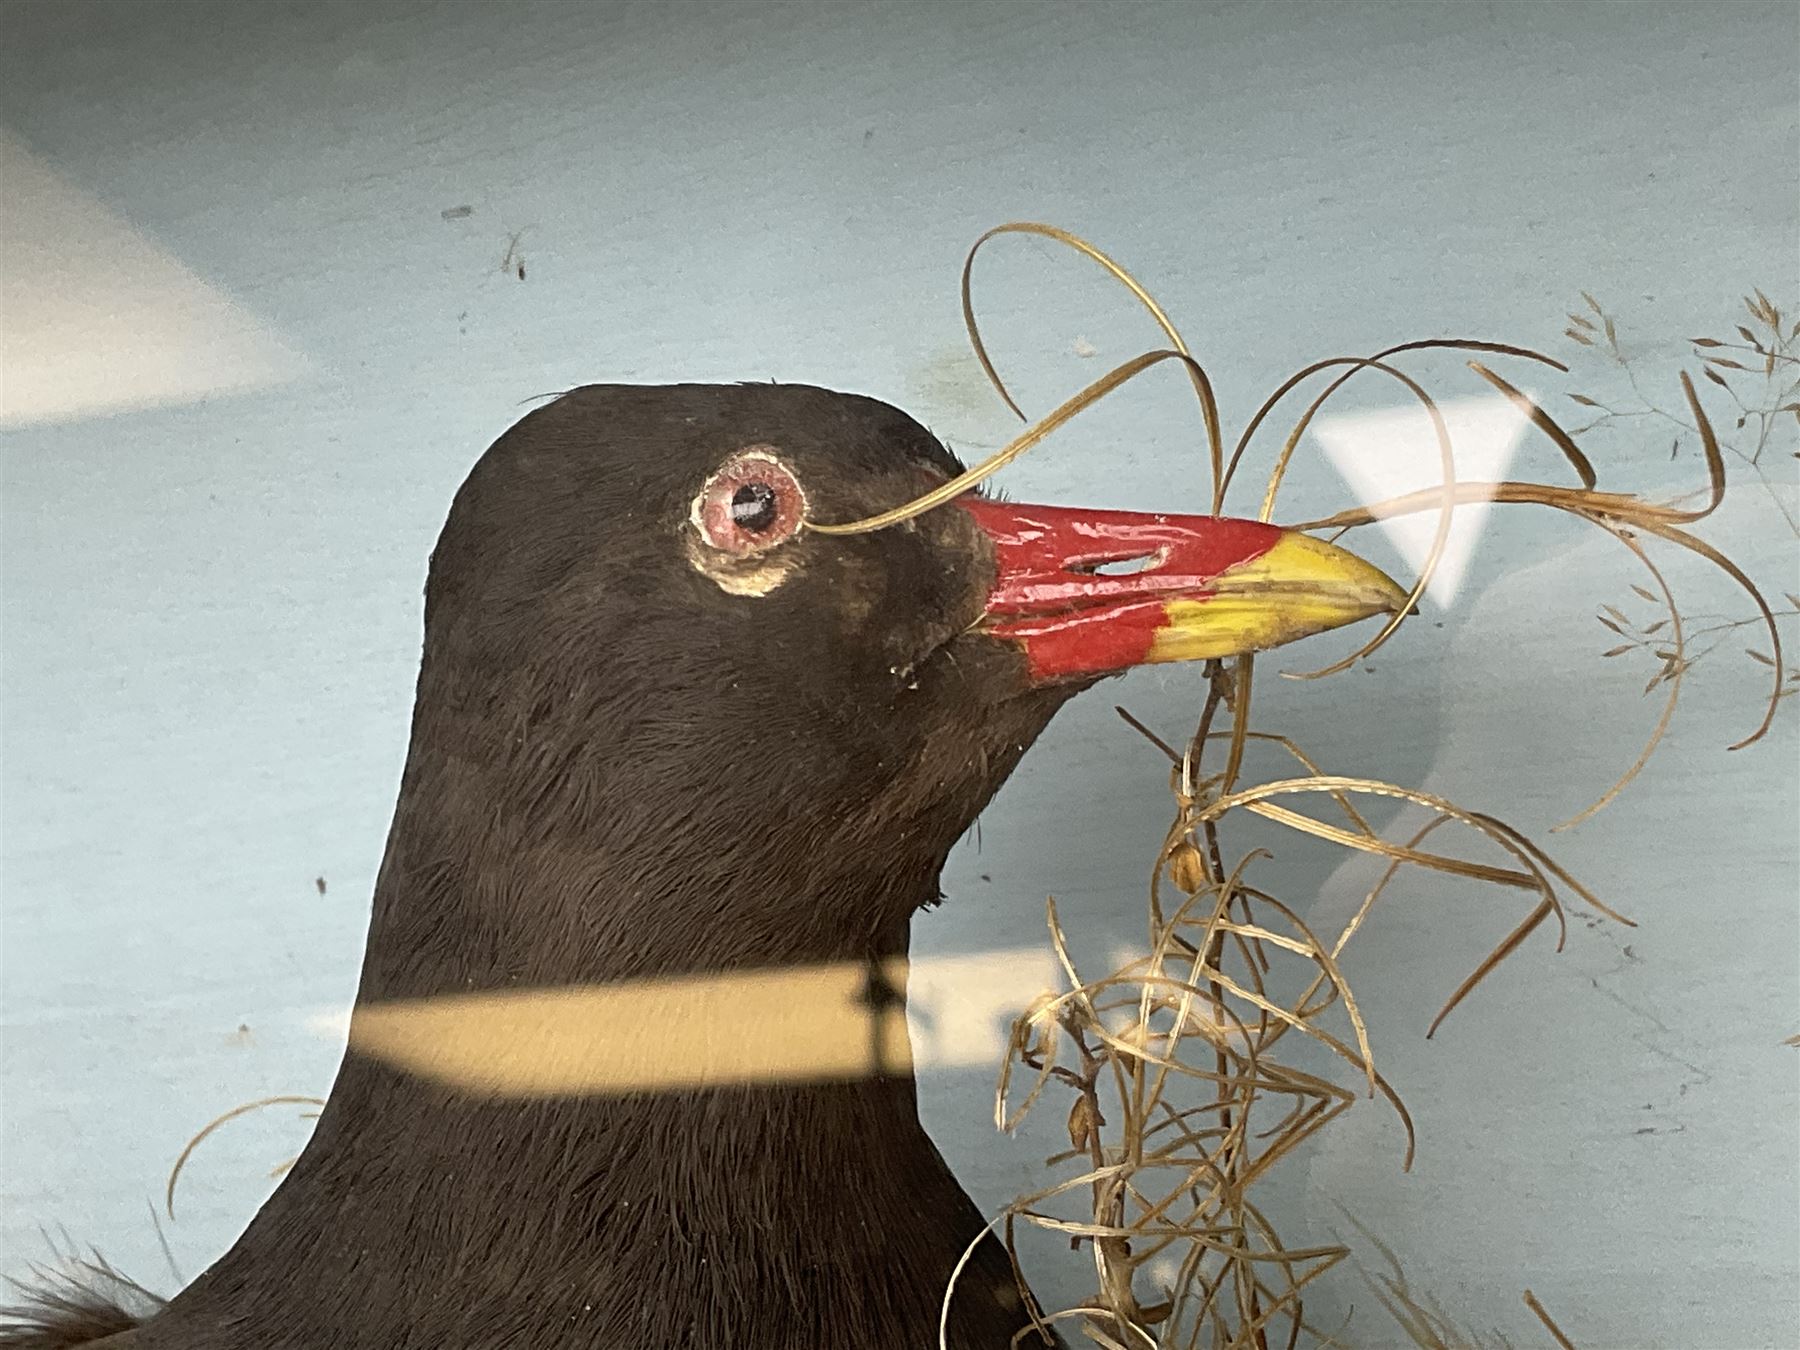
{"x":1183,"y":587}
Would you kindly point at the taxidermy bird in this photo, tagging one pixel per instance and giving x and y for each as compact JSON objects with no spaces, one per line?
{"x":671,"y":740}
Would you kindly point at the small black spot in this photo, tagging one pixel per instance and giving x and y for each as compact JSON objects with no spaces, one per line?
{"x":320,"y":883}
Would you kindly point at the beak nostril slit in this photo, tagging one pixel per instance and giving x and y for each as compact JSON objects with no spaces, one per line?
{"x":1120,"y":567}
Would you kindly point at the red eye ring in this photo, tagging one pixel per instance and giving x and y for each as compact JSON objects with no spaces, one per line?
{"x":751,"y":504}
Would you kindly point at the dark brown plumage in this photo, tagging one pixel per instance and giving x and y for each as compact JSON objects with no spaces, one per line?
{"x":611,"y":755}
{"x":78,"y":1305}
{"x":663,"y":730}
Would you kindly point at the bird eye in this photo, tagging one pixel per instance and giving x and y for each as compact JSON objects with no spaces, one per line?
{"x":754,"y":507}
{"x":753,"y":503}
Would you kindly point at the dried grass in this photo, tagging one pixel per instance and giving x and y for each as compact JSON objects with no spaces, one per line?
{"x":1182,"y":1098}
{"x":225,"y":1118}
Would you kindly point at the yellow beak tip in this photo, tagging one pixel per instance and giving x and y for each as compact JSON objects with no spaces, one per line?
{"x":1300,"y":587}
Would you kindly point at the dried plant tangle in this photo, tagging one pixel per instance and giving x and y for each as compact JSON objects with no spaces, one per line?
{"x":1181,"y":1098}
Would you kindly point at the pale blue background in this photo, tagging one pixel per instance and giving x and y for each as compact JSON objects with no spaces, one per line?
{"x":211,"y":609}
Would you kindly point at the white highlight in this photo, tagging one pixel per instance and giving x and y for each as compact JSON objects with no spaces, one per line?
{"x":1392,"y":451}
{"x":95,"y":319}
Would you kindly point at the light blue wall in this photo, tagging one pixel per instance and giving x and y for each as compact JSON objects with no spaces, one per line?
{"x":211,"y":607}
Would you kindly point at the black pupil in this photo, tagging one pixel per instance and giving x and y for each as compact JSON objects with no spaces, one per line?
{"x":753,"y":507}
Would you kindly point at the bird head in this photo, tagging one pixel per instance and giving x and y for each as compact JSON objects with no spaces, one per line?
{"x":648,"y":670}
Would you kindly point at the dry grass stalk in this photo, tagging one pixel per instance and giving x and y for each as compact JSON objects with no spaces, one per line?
{"x":224,"y":1118}
{"x":1758,"y":367}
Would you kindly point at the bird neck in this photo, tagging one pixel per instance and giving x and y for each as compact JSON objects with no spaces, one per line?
{"x":609,"y":1192}
{"x":758,"y":1216}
